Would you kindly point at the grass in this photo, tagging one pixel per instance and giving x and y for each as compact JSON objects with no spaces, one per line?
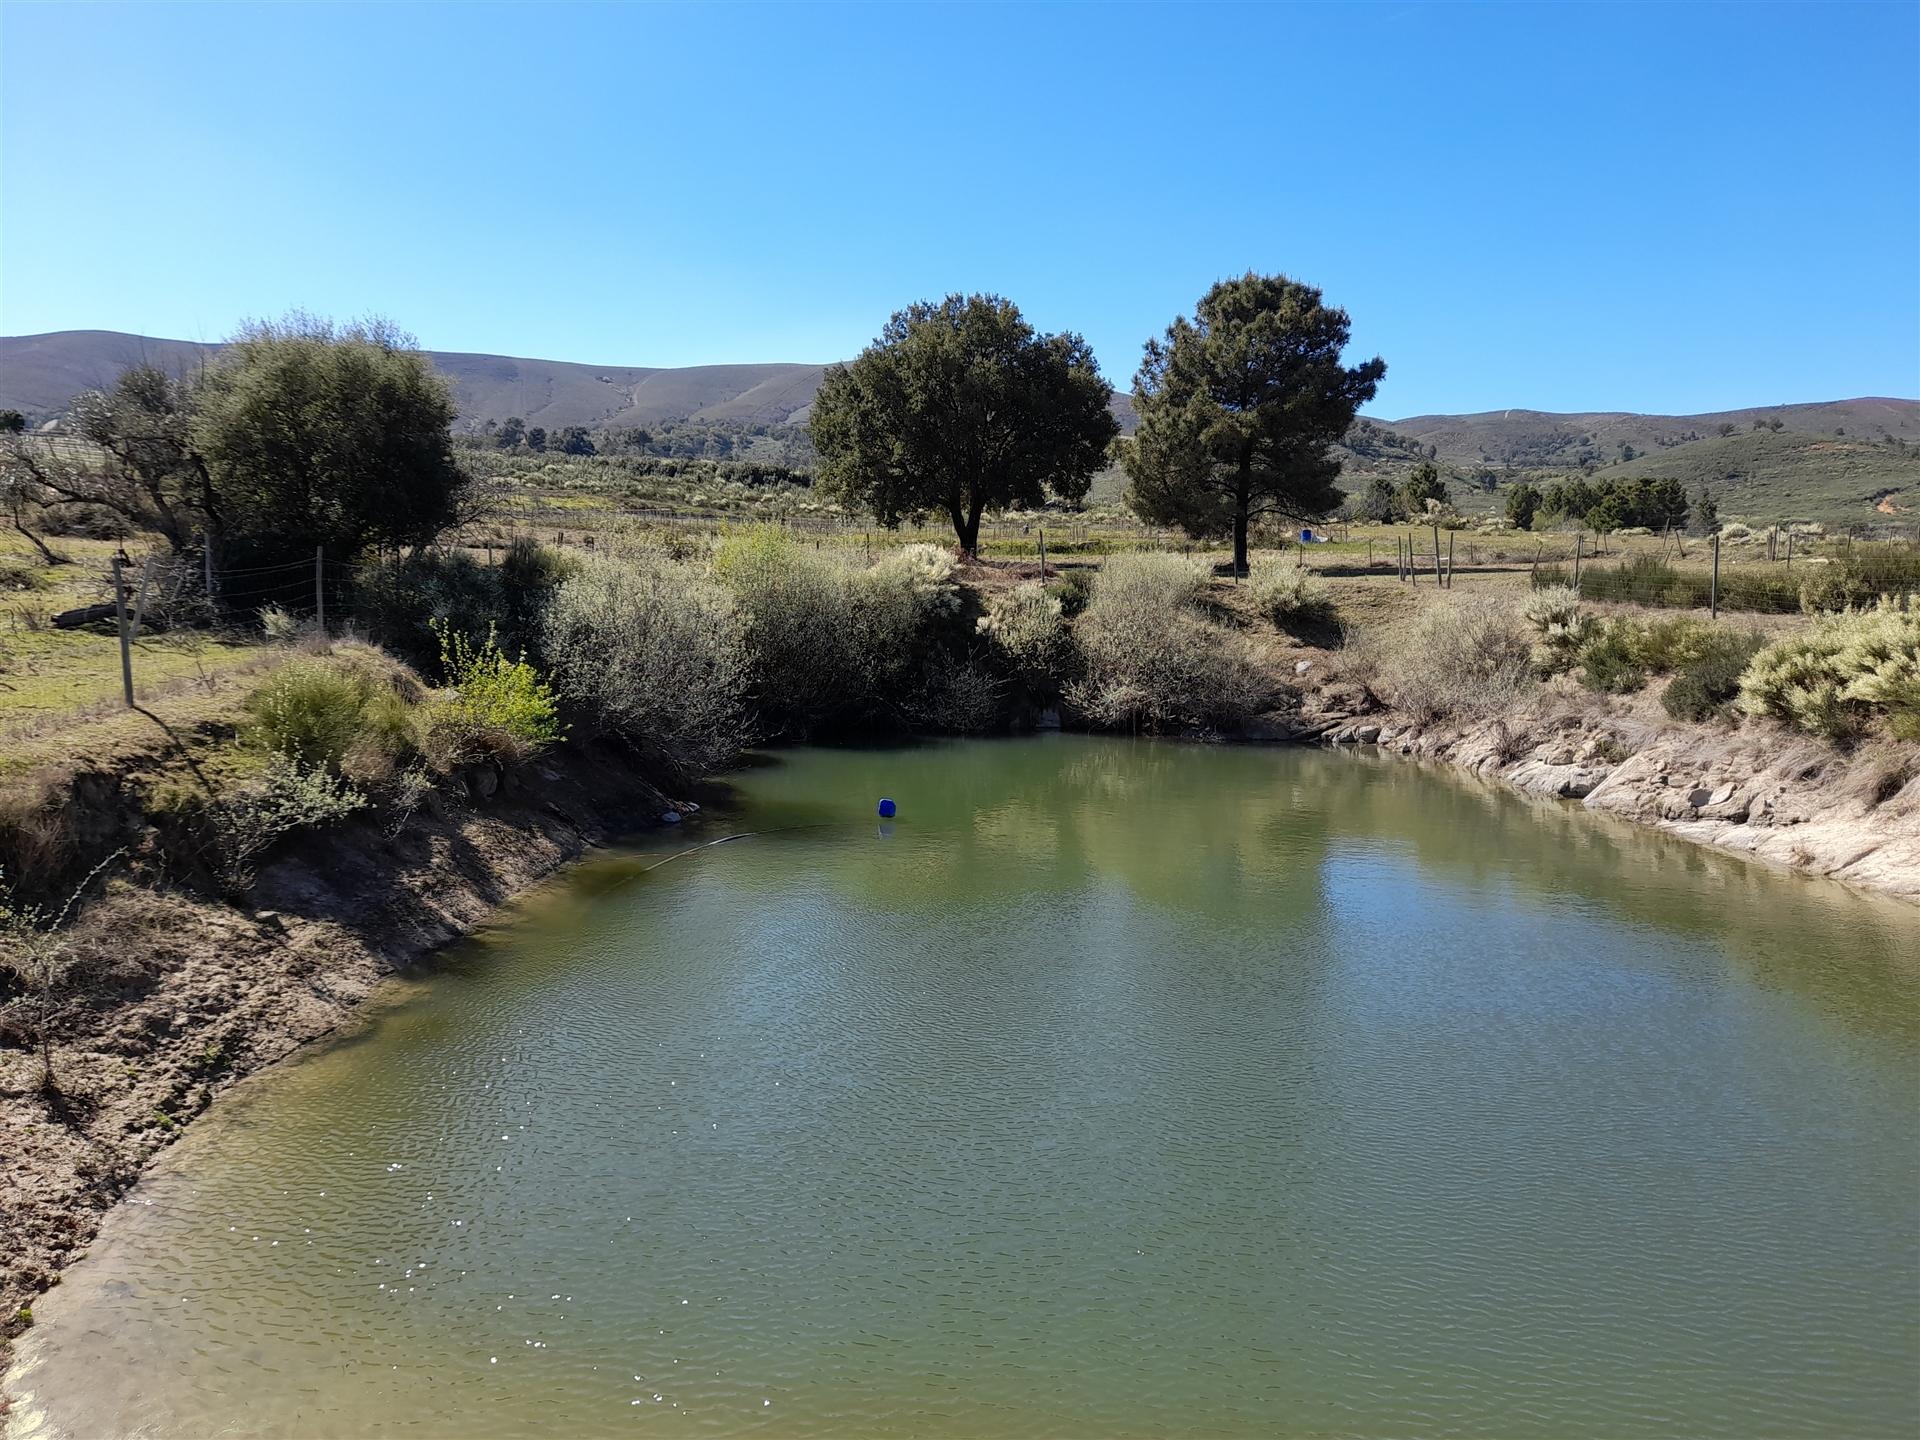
{"x":46,"y":672}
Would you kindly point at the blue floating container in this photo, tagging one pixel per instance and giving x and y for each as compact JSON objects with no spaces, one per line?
{"x":1306,"y":537}
{"x":887,"y":808}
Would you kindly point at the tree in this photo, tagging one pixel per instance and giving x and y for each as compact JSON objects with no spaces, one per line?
{"x":1706,"y":511}
{"x":511,"y":432}
{"x":574,"y":440}
{"x":317,"y":436}
{"x":537,"y":439}
{"x":1240,"y":407}
{"x":1725,"y":427}
{"x":961,"y":407}
{"x":1379,"y":501}
{"x":138,"y":459}
{"x":1422,"y":485}
{"x":12,"y":422}
{"x":1523,"y":503}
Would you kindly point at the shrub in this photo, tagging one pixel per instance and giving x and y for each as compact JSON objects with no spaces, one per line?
{"x":336,"y":713}
{"x":796,"y":608}
{"x":1027,"y":626}
{"x":278,"y":626}
{"x":408,"y":603}
{"x":1289,"y":595}
{"x":1708,"y":681}
{"x":1471,"y":655}
{"x":1861,"y":576}
{"x":1154,"y":662}
{"x":288,"y":797}
{"x":1620,"y":654}
{"x":654,"y":652}
{"x":1073,"y":589}
{"x":1610,"y":661}
{"x":1842,"y":673}
{"x":495,"y":707}
{"x":832,"y":648}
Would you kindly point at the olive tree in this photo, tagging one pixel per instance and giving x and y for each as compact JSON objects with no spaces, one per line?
{"x":959,"y":408}
{"x":1239,"y":409}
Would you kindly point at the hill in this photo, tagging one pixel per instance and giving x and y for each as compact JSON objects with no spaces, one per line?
{"x":40,"y":375}
{"x":1840,"y":461}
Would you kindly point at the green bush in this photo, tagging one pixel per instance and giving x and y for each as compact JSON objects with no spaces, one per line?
{"x":288,"y":797}
{"x":834,"y":649}
{"x":1073,"y":589}
{"x":1562,"y":627}
{"x":407,"y":603}
{"x":337,"y":713}
{"x":1621,"y":653}
{"x":655,"y":652}
{"x":1026,"y":629}
{"x":1610,"y":661}
{"x":1154,"y":662}
{"x":1842,"y":674}
{"x":1706,"y":682}
{"x":494,"y":708}
{"x":803,"y":668}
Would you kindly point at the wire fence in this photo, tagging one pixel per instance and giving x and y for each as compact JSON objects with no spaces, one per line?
{"x":1777,"y":572}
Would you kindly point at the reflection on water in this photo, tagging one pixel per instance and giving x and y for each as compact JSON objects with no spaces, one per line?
{"x":1118,"y":1089}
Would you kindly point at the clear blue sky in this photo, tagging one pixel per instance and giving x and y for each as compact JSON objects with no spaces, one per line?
{"x":1641,"y":207}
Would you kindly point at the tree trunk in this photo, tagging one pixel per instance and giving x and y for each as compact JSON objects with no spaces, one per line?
{"x":1242,"y":502}
{"x":967,"y":527}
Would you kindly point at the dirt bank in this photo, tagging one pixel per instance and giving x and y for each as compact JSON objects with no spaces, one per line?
{"x":1760,"y":790}
{"x":175,"y":996}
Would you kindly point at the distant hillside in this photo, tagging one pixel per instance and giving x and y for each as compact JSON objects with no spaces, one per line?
{"x":1533,"y":438}
{"x":40,"y":375}
{"x":1841,"y":461}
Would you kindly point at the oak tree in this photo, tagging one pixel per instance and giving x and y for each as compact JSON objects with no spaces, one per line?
{"x":959,"y":408}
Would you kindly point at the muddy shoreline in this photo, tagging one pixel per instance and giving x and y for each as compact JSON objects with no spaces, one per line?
{"x":176,"y":997}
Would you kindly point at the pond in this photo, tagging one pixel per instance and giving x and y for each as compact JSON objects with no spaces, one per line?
{"x":1115,"y":1088}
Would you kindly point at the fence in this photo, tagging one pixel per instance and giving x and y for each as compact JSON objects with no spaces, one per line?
{"x":1780,"y":572}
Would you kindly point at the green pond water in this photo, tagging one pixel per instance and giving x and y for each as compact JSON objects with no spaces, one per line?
{"x":1117,"y":1089}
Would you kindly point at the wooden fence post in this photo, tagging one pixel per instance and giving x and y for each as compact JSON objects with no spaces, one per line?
{"x":140,"y":597}
{"x":126,"y":648}
{"x":1713,"y":585}
{"x":1436,"y":558}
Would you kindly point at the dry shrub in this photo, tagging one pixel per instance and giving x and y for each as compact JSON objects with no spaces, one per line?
{"x":1154,"y":662}
{"x":1466,"y":657}
{"x":653,"y":651}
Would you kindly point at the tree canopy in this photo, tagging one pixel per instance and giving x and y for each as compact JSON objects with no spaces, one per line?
{"x":960,"y":407}
{"x":1240,"y":407}
{"x":324,"y":436}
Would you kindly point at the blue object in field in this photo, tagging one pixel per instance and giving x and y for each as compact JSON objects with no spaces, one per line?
{"x":1306,"y":537}
{"x":887,"y":808}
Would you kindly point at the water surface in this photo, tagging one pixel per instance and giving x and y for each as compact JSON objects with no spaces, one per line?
{"x":1116,"y":1089}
